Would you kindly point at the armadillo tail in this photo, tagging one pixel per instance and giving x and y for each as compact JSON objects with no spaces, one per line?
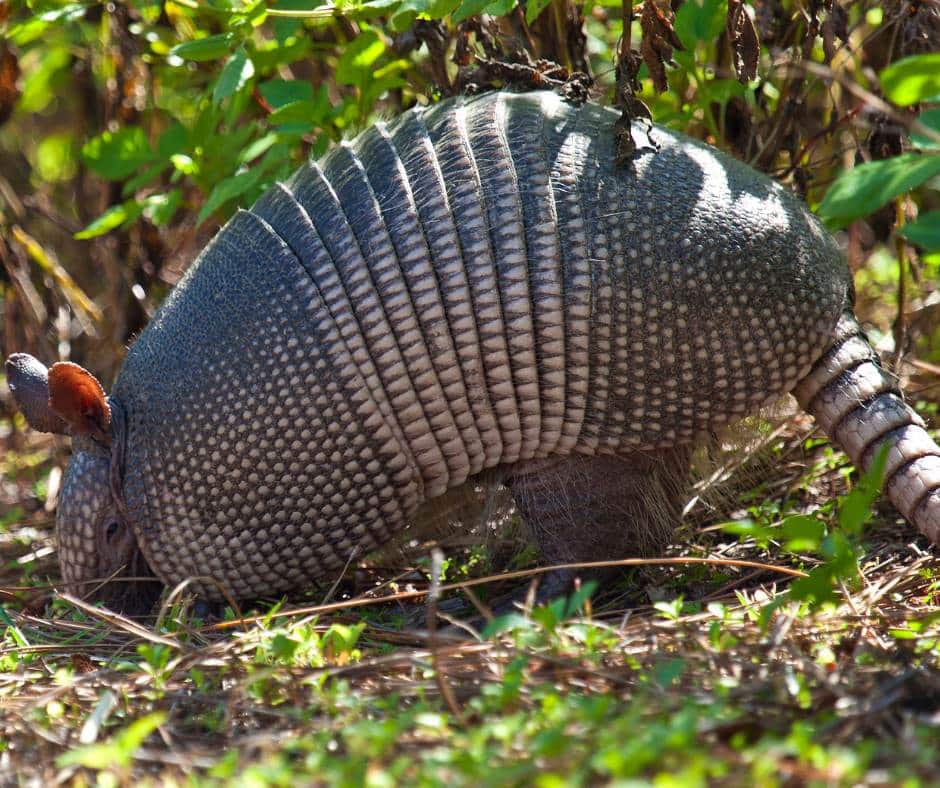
{"x":860,"y":407}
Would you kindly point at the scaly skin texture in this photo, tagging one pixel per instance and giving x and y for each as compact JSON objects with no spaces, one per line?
{"x":473,"y":286}
{"x":860,"y":407}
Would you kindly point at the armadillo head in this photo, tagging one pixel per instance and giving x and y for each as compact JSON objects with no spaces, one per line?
{"x":97,"y":545}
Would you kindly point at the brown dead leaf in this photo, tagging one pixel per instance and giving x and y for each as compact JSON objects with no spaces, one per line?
{"x":745,"y":46}
{"x":83,"y":664}
{"x":9,"y":74}
{"x":659,"y":40}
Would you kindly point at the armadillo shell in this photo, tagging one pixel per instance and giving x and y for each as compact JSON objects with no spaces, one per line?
{"x":469,"y":286}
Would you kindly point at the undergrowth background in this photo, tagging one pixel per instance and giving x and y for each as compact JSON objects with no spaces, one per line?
{"x":129,"y":131}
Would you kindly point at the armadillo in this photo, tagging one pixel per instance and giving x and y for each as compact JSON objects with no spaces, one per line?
{"x":477,"y":285}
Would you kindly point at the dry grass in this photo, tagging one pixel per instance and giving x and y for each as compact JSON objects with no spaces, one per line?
{"x":859,"y":682}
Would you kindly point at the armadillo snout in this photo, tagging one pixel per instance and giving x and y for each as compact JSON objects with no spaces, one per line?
{"x":859,"y":406}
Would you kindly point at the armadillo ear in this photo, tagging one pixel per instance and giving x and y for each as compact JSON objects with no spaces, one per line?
{"x":76,"y":396}
{"x":28,"y":380}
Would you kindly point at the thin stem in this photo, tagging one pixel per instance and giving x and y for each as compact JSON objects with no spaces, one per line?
{"x":626,"y":43}
{"x":900,"y":321}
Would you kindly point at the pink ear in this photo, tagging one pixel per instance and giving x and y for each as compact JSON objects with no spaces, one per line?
{"x":78,"y":398}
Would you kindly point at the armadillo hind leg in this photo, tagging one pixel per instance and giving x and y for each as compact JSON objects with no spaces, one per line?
{"x":860,"y":407}
{"x":582,"y":508}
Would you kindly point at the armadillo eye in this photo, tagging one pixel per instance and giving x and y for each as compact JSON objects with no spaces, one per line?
{"x":112,"y":529}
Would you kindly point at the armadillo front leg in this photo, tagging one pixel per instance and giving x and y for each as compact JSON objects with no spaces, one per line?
{"x":593,"y":508}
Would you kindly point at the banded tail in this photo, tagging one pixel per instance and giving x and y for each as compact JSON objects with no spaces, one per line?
{"x":860,"y":407}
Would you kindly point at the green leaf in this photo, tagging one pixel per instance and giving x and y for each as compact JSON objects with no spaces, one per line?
{"x":931,"y":119}
{"x":204,"y":130}
{"x":666,"y":672}
{"x":278,"y":92}
{"x":438,"y":9}
{"x":803,"y":533}
{"x":271,"y":59}
{"x":149,"y":10}
{"x":283,"y":648}
{"x":299,"y":5}
{"x":256,"y":148}
{"x":26,"y":32}
{"x":505,"y":623}
{"x":342,"y":638}
{"x":863,"y":189}
{"x":229,"y":189}
{"x":925,"y":232}
{"x":721,"y":91}
{"x":670,"y":609}
{"x":358,"y":56}
{"x":500,"y":7}
{"x":160,"y":208}
{"x":235,"y":75}
{"x":36,"y":26}
{"x":533,"y":8}
{"x":912,"y":80}
{"x":70,"y":12}
{"x":700,"y":20}
{"x":855,"y":508}
{"x":117,"y":751}
{"x":56,"y":158}
{"x":285,"y":28}
{"x":767,"y":611}
{"x":817,"y":588}
{"x":375,"y":88}
{"x":42,"y":83}
{"x":576,"y":601}
{"x":374,"y":8}
{"x":184,"y":164}
{"x":253,"y":13}
{"x":406,"y":13}
{"x":469,"y":8}
{"x":747,"y":528}
{"x":208,"y":48}
{"x":550,"y":615}
{"x":142,"y":178}
{"x":295,"y":112}
{"x":114,"y":217}
{"x":173,"y":140}
{"x":116,"y":154}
